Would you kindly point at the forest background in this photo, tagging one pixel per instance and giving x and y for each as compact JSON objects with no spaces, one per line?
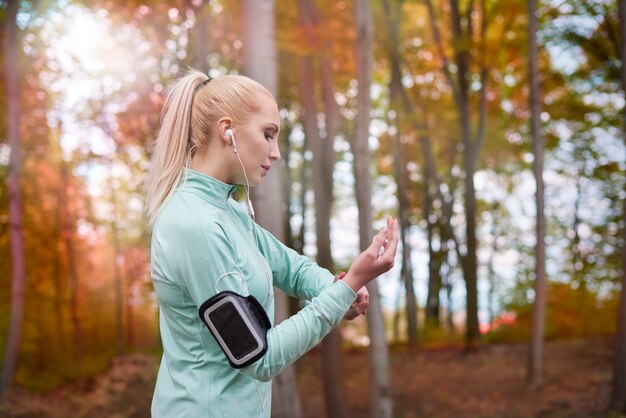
{"x":446,"y":136}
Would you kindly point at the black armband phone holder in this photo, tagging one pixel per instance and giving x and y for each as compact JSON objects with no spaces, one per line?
{"x":239,"y":324}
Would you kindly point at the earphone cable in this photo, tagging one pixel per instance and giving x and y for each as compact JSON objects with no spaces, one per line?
{"x":246,"y":188}
{"x":253,"y":226}
{"x":269,"y":291}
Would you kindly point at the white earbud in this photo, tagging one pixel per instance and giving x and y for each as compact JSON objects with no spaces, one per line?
{"x":230,"y":133}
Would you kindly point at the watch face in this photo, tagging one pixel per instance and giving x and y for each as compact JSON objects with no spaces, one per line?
{"x":233,"y":330}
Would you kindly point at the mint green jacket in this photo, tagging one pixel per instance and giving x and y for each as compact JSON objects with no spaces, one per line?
{"x":202,"y":235}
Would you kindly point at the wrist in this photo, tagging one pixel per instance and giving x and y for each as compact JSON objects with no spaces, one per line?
{"x":353,"y":281}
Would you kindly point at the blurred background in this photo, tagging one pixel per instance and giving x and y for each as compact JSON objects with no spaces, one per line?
{"x":493,"y":130}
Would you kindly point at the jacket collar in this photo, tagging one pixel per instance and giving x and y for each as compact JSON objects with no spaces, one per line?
{"x":209,"y":188}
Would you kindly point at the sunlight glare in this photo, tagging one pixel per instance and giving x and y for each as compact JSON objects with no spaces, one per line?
{"x":82,"y":40}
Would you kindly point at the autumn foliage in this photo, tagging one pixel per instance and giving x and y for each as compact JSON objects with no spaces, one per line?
{"x":93,"y":76}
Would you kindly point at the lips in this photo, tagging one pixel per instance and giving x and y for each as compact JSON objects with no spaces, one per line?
{"x":266,"y":168}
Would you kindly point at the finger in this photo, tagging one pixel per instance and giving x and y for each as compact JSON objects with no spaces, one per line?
{"x":392,"y":237}
{"x":358,"y":309}
{"x":392,"y":229}
{"x":363,"y":306}
{"x":351,"y":314}
{"x":366,"y":296}
{"x":362,"y":310}
{"x":392,"y":244}
{"x":379,"y":240}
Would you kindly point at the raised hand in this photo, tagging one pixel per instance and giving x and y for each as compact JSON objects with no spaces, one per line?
{"x":377,"y":259}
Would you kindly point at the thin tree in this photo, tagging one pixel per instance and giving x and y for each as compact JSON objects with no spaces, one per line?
{"x":535,"y":359}
{"x":618,"y":396}
{"x":432,"y":184}
{"x":392,"y":13}
{"x":18,"y":265}
{"x":381,"y":401}
{"x":260,"y":63}
{"x":434,"y":261}
{"x":118,"y":260}
{"x":463,"y":26}
{"x":69,"y":227}
{"x":58,"y":275}
{"x":322,"y":172}
{"x":118,"y":257}
{"x":201,"y":42}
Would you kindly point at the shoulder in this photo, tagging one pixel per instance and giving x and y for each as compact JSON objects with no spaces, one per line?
{"x":188,"y":216}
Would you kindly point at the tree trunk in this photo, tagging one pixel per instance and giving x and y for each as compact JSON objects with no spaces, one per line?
{"x":618,"y":397}
{"x":68,"y":240}
{"x":430,"y":174}
{"x":577,"y":276}
{"x":117,"y":269}
{"x":382,"y":403}
{"x":407,"y":266}
{"x":287,"y":182}
{"x":260,"y":63}
{"x":450,"y":312}
{"x":470,"y":266}
{"x":434,"y":257}
{"x":395,"y":331}
{"x":491,"y":274}
{"x":132,"y":270}
{"x":59,"y":288}
{"x":18,"y":265}
{"x":322,"y":172}
{"x":462,"y":25}
{"x":395,"y":93}
{"x":300,"y":239}
{"x":200,"y":40}
{"x":535,"y":359}
{"x":469,"y":163}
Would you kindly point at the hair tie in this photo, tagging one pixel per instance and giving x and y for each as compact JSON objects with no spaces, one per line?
{"x":204,"y":83}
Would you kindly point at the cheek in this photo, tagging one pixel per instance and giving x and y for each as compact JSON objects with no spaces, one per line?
{"x":263,"y":149}
{"x":259,"y":151}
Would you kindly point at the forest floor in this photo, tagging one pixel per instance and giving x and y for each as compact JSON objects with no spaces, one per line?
{"x":438,"y":383}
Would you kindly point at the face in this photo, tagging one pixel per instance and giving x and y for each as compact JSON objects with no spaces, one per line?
{"x":257,"y":142}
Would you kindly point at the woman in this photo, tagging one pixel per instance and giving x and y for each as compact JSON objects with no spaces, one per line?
{"x":216,"y":134}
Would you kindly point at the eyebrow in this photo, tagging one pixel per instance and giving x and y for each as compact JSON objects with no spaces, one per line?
{"x":273,"y":126}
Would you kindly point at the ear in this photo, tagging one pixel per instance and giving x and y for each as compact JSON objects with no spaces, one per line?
{"x":223,"y":125}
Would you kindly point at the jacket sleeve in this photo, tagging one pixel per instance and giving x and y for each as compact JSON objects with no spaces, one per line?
{"x":293,"y":273}
{"x":294,"y":336}
{"x":211,"y":256}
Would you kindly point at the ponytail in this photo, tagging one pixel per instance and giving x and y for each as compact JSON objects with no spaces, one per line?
{"x":172,"y":149}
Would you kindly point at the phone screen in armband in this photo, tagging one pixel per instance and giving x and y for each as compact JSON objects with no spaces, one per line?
{"x":239,"y":325}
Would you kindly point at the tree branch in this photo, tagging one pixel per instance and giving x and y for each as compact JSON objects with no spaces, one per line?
{"x":445,"y":65}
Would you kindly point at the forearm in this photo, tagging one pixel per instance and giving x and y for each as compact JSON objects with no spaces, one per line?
{"x":295,"y":336}
{"x":293,"y":273}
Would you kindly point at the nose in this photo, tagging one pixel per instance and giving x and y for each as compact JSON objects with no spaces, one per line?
{"x":274,"y":151}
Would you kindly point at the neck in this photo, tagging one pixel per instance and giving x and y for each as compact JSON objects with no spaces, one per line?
{"x":214,"y":163}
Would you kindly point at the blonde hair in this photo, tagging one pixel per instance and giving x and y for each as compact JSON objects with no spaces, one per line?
{"x":194,"y":104}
